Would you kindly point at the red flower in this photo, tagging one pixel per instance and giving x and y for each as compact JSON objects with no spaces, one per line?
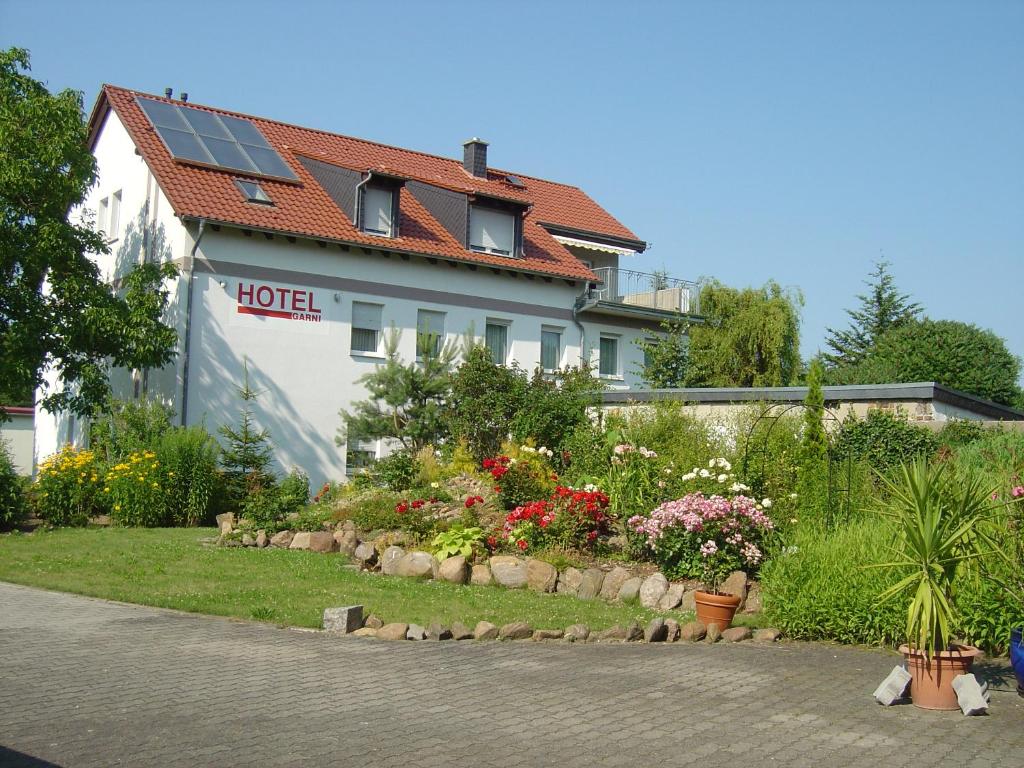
{"x":492,"y":542}
{"x":522,"y":544}
{"x":418,"y":504}
{"x":591,"y":536}
{"x":470,"y":500}
{"x":402,"y":508}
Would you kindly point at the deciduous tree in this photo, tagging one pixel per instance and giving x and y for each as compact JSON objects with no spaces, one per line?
{"x":55,"y":311}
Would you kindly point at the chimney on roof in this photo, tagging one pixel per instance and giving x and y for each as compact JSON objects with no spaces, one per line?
{"x":169,"y":93}
{"x":184,"y":96}
{"x":474,"y":157}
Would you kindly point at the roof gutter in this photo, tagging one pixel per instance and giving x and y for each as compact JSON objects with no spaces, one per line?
{"x":188,"y":322}
{"x":582,"y":305}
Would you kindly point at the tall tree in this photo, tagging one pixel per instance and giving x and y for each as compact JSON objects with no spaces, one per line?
{"x":406,"y":399}
{"x":750,"y":337}
{"x":881,"y":309}
{"x":55,"y":311}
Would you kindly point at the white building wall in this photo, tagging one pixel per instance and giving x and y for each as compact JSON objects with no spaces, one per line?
{"x":146,"y":229}
{"x":17,"y":436}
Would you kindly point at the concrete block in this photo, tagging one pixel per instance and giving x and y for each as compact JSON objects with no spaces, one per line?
{"x":894,"y":688}
{"x":971,"y":695}
{"x":346,"y":619}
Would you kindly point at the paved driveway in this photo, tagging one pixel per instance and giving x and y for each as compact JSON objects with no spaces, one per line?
{"x":90,"y":683}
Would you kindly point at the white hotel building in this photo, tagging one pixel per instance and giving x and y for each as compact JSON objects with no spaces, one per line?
{"x":298,"y":249}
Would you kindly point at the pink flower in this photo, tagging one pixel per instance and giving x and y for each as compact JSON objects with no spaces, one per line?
{"x":1017,"y":492}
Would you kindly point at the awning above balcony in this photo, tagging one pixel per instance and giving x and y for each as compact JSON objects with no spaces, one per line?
{"x":592,"y":246}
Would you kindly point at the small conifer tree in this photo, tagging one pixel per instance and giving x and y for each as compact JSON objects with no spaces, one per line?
{"x":247,"y":455}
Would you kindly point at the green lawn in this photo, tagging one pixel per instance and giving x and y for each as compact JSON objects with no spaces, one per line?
{"x":179,"y":568}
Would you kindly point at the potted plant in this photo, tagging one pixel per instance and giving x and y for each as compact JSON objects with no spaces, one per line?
{"x":1015,"y":584}
{"x":938,"y":532}
{"x":724,"y":533}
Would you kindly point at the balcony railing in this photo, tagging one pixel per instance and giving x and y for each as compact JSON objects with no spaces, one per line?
{"x":641,"y":289}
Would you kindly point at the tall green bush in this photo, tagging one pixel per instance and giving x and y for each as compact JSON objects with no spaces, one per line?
{"x":883,"y":439}
{"x":189,"y":456}
{"x":13,"y":504}
{"x":128,"y":426}
{"x":484,"y":400}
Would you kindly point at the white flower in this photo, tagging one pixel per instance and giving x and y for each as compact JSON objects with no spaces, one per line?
{"x":527,"y":449}
{"x":792,"y":495}
{"x":704,"y":473}
{"x":668,"y":470}
{"x":766,"y":503}
{"x":713,"y":463}
{"x":688,"y":477}
{"x":435,"y":484}
{"x":722,"y":478}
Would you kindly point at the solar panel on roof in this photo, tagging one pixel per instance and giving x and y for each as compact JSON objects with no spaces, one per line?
{"x":515,"y":181}
{"x":221,"y":141}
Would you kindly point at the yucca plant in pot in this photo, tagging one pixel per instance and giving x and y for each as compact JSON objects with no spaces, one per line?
{"x":939,"y":531}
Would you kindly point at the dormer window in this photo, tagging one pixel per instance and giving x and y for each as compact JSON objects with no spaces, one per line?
{"x":377,"y":212}
{"x":253,"y":192}
{"x":492,"y":231}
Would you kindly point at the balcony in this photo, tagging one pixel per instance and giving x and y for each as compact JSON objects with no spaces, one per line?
{"x":646,"y":291}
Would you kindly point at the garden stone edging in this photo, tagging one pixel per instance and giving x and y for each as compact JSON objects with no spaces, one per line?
{"x":617,"y":584}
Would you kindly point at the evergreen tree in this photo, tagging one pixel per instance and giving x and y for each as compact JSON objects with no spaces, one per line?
{"x":248,"y":452}
{"x":814,"y":443}
{"x":406,"y":400}
{"x":666,"y":358}
{"x":883,"y":308}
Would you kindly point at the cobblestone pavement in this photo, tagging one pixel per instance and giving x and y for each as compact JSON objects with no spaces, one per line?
{"x":87,"y":682}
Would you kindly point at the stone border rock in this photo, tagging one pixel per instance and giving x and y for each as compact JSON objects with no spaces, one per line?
{"x":380,"y":552}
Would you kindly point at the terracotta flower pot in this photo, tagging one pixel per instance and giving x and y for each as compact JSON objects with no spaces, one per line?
{"x":931,"y":680}
{"x":716,"y":609}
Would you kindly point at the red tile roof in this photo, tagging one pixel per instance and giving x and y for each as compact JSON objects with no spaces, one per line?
{"x":305,"y":209}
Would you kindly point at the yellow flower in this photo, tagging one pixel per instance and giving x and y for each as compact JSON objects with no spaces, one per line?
{"x":117,"y":507}
{"x":170,"y":474}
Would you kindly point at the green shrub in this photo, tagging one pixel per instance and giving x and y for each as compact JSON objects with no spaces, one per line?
{"x":997,"y":457}
{"x":883,"y":440}
{"x":457,"y":540}
{"x":378,"y":510}
{"x":396,"y":472}
{"x":553,"y":407}
{"x":269,"y":505}
{"x":128,"y":427}
{"x":818,"y":588}
{"x":189,"y":456}
{"x":960,"y":432}
{"x":69,"y":487}
{"x":521,"y":474}
{"x":484,"y":400}
{"x":13,"y":504}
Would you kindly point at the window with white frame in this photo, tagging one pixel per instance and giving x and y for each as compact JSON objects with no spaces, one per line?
{"x":366,"y":326}
{"x":608,"y":360}
{"x":429,"y":332}
{"x":496,"y":340}
{"x":113,"y":229}
{"x":377,"y":211}
{"x":360,"y":455}
{"x":102,"y":212}
{"x":550,"y":349}
{"x":491,"y":231}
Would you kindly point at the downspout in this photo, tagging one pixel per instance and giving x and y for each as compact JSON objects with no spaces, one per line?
{"x":188,"y":322}
{"x":582,"y":304}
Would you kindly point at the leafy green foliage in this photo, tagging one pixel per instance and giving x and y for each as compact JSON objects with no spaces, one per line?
{"x":957,"y":355}
{"x":457,"y":541}
{"x":552,"y":408}
{"x":666,"y":357}
{"x":122,"y":427}
{"x":818,"y":588}
{"x":485,"y":399}
{"x":54,"y":308}
{"x":406,"y":399}
{"x":13,"y":503}
{"x":191,"y":477}
{"x":246,"y":457}
{"x":396,"y":472}
{"x":813,"y":484}
{"x":268,"y":505}
{"x":882,"y":308}
{"x":882,"y":439}
{"x":750,"y":337}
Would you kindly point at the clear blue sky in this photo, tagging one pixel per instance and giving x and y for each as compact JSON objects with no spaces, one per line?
{"x":745,"y":140}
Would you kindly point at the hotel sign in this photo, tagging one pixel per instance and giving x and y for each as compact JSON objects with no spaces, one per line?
{"x":275,"y":301}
